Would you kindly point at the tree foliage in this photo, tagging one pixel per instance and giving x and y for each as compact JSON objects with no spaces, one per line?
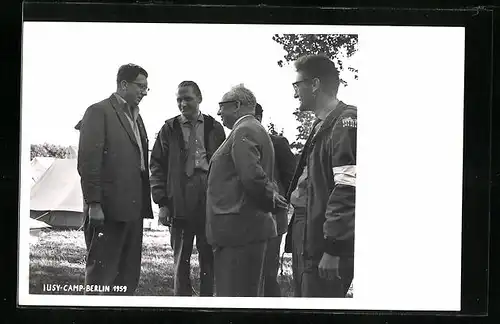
{"x":272,"y":130}
{"x":335,"y":46}
{"x":49,"y":150}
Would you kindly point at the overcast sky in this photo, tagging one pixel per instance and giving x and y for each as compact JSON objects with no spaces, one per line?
{"x":69,"y":66}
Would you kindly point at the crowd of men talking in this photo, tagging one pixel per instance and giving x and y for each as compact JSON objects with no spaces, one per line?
{"x":231,"y":193}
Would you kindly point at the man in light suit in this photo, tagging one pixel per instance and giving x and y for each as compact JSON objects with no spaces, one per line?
{"x":241,"y":197}
{"x":113,"y":166}
{"x":284,"y":168}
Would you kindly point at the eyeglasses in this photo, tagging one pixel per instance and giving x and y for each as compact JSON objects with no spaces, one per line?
{"x":222,"y":103}
{"x":141,"y":86}
{"x":296,"y":84}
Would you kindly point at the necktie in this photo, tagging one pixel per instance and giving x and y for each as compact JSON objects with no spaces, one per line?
{"x":191,"y":149}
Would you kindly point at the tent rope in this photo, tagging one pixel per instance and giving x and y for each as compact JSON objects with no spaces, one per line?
{"x":41,"y":215}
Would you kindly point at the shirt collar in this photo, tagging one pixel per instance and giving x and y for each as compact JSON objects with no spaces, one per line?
{"x":184,"y":120}
{"x":124,"y":102}
{"x":120,"y":98}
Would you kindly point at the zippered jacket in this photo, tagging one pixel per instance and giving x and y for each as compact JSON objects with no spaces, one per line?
{"x":331,"y":188}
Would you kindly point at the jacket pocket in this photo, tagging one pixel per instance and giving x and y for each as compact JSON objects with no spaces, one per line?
{"x":227,"y":196}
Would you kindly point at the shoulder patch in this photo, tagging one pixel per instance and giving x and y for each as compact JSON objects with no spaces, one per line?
{"x":349,"y":122}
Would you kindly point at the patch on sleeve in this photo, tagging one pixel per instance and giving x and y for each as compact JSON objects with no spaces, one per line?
{"x":349,"y":122}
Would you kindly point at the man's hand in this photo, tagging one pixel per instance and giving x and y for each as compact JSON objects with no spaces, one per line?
{"x":280,"y":201}
{"x":96,"y":215}
{"x":329,"y":267}
{"x":164,"y":216}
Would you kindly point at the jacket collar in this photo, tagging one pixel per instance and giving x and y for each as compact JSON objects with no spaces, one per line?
{"x":332,"y":117}
{"x":123,"y":119}
{"x":239,"y":120}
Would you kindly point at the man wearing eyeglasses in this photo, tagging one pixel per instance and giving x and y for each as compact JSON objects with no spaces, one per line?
{"x":179,"y":167}
{"x":113,"y":166}
{"x":241,"y":197}
{"x":321,"y":232}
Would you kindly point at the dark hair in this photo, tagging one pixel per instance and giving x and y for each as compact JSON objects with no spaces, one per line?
{"x":321,"y":67}
{"x":129,"y":72}
{"x":193,"y":85}
{"x":258,"y":110}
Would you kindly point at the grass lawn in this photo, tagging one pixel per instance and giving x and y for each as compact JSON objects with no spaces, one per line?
{"x":58,"y":257}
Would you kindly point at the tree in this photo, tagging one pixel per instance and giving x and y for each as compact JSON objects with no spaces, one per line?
{"x":49,"y":150}
{"x":272,"y":129}
{"x":336,"y":47}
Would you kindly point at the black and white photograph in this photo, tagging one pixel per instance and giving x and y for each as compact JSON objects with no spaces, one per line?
{"x":225,"y":163}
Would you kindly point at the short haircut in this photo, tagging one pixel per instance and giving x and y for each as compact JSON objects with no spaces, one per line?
{"x":193,"y":85}
{"x":129,"y":72}
{"x":244,"y":95}
{"x":321,"y":67}
{"x":258,"y":110}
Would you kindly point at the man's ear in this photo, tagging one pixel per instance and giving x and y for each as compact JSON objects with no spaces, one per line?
{"x":123,"y":85}
{"x":316,"y":84}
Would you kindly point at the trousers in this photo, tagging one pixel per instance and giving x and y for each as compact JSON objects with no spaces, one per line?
{"x":307,"y":282}
{"x":239,"y":270}
{"x":113,"y":256}
{"x":271,"y":266}
{"x":184,"y":233}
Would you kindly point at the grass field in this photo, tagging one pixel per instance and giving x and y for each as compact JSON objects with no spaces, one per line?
{"x":58,"y":257}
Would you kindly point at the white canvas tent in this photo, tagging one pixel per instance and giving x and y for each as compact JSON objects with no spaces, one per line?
{"x":38,"y":167}
{"x":35,"y":229}
{"x":73,"y":152}
{"x":56,"y":197}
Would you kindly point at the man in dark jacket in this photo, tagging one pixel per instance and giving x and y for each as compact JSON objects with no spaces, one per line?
{"x":284,"y":168}
{"x":179,"y":166}
{"x":113,"y":166}
{"x":324,"y":185}
{"x":241,"y":198}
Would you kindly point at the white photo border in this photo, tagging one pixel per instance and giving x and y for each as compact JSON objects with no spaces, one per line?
{"x":383,"y":170}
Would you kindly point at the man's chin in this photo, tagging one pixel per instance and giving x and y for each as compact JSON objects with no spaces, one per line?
{"x":188,"y":114}
{"x":303,"y":108}
{"x":227,"y":124}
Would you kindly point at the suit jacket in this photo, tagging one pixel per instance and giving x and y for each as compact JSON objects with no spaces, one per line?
{"x":284,"y":171}
{"x":241,"y":188}
{"x":109,"y":162}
